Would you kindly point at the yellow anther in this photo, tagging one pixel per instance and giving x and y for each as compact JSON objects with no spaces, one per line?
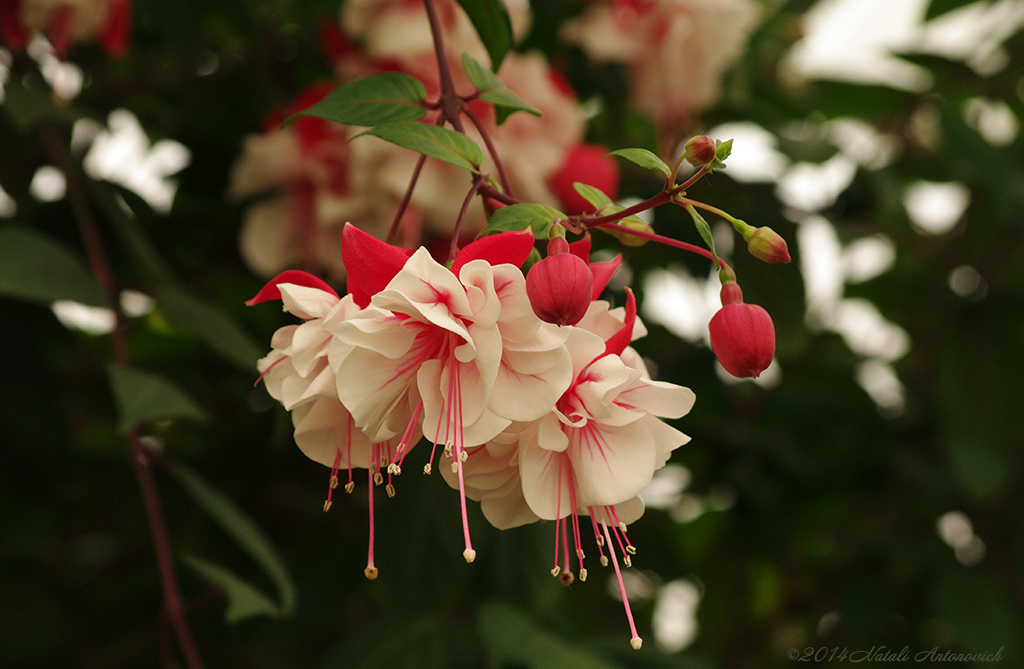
{"x":636,"y":642}
{"x":583,"y":574}
{"x":390,"y":489}
{"x":455,"y":467}
{"x":556,"y":571}
{"x":334,"y":482}
{"x":631,"y":550}
{"x":469,"y":554}
{"x":350,"y":486}
{"x":378,"y":478}
{"x":626,"y":561}
{"x":327,"y":505}
{"x":604,"y":560}
{"x":427,"y":469}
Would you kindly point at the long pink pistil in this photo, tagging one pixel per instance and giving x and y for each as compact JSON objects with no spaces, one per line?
{"x":635,"y":641}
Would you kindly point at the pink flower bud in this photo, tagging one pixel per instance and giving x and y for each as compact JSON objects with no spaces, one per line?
{"x":742,"y":335}
{"x":767,"y":245}
{"x":699,"y":151}
{"x":560,"y":288}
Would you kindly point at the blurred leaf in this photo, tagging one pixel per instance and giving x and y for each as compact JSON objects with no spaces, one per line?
{"x":243,"y":530}
{"x":244,"y":599}
{"x":370,"y":101}
{"x":431,"y":140}
{"x":143,"y":396}
{"x":492,"y":24}
{"x":704,"y":229}
{"x":539,"y":217}
{"x":643,"y":158}
{"x":509,"y":635}
{"x":35,"y":267}
{"x":937,"y":8}
{"x":493,"y":90}
{"x":210,"y":325}
{"x":27,"y":105}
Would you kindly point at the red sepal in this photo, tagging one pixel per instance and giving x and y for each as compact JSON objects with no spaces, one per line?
{"x":295,"y":276}
{"x":505,"y":247}
{"x":369,"y":262}
{"x":603,"y":272}
{"x":618,"y":342}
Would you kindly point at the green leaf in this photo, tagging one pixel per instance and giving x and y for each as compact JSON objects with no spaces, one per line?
{"x":240,"y":527}
{"x":431,"y":140}
{"x":211,"y":326}
{"x":643,"y":158}
{"x":705,"y":231}
{"x":722,"y":151}
{"x":510,"y":637}
{"x":38,"y":268}
{"x":370,"y":101}
{"x":539,"y":217}
{"x":492,"y":24}
{"x":493,"y":90}
{"x":244,"y":599}
{"x":937,"y":8}
{"x":143,"y":396}
{"x":593,"y":195}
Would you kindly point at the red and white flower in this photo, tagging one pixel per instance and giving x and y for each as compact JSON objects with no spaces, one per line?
{"x":458,"y":349}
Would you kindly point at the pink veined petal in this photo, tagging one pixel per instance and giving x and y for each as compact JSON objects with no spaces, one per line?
{"x":659,"y":398}
{"x":369,"y":262}
{"x":322,"y":427}
{"x":375,"y":388}
{"x":477,"y":277}
{"x":508,"y":511}
{"x":505,"y":247}
{"x":427,"y":291}
{"x":527,"y":394}
{"x":271,"y":291}
{"x":550,"y":435}
{"x":666,"y":439}
{"x":612,"y":463}
{"x":547,"y":477}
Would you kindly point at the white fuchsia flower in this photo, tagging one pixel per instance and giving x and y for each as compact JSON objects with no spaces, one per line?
{"x":458,"y":349}
{"x":676,"y":50}
{"x":297,"y":374}
{"x":306,"y":179}
{"x":599,"y":447}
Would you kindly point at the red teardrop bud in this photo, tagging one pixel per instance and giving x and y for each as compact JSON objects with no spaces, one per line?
{"x":743,"y":338}
{"x":560,"y":288}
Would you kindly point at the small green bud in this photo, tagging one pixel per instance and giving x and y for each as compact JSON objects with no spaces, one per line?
{"x":767,"y":245}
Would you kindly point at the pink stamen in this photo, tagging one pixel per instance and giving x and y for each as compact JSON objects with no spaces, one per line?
{"x":267,"y":370}
{"x":371,"y":570}
{"x":635,"y":641}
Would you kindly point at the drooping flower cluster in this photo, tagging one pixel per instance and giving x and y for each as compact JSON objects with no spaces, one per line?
{"x":533,"y":419}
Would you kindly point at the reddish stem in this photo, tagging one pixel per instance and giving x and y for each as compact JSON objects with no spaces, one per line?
{"x":89,"y":232}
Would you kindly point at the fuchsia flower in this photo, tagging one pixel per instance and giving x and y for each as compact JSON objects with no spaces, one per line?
{"x":457,"y":348}
{"x":297,"y":374}
{"x":536,"y":421}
